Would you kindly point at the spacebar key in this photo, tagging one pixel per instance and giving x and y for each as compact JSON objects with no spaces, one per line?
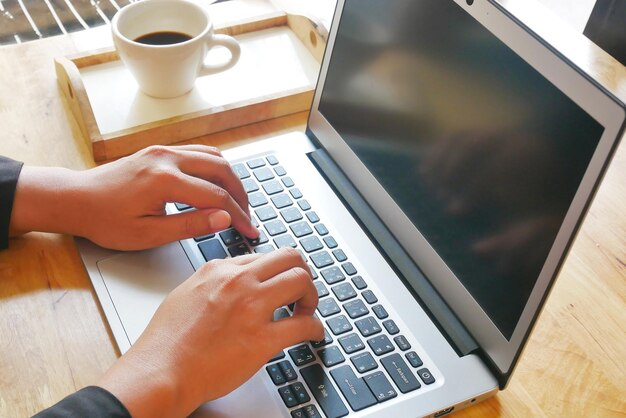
{"x":322,"y":389}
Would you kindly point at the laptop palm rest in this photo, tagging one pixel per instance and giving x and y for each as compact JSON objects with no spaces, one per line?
{"x":137,"y":283}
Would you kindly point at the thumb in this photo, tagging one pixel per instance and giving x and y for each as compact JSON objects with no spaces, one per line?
{"x":191,"y":224}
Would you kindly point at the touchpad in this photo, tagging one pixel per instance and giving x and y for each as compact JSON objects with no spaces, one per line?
{"x":138,"y":282}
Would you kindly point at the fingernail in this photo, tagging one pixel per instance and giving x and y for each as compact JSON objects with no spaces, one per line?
{"x":219,"y":220}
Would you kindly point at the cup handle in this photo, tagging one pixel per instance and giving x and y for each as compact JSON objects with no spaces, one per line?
{"x":235,"y":52}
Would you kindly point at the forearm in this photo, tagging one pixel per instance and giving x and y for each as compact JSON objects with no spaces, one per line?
{"x":49,"y":199}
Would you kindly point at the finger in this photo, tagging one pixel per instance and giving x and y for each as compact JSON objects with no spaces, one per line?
{"x":294,"y":330}
{"x":204,"y":195}
{"x":293,"y":285}
{"x":279,"y":261}
{"x":191,"y":224}
{"x":215,"y":169}
{"x":198,"y":148}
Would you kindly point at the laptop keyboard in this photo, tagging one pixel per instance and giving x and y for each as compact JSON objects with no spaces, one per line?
{"x":364,"y":352}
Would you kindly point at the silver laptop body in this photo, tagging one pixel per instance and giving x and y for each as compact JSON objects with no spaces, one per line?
{"x":392,"y":72}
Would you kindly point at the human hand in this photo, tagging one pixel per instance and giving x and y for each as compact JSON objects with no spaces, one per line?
{"x":121,"y":205}
{"x":215,"y":331}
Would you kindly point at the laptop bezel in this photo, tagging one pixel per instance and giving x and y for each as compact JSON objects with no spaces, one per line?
{"x":584,"y":91}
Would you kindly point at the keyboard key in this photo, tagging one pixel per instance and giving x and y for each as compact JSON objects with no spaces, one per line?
{"x":369,"y":296}
{"x":311,"y":244}
{"x":288,"y":397}
{"x":380,"y":345}
{"x":281,"y":200}
{"x":327,"y":307}
{"x":264,"y":249}
{"x":275,"y":227}
{"x":287,"y":181}
{"x":203,"y":237}
{"x":380,"y":386}
{"x":272,"y":159}
{"x":321,"y":260}
{"x":332,"y":275}
{"x":299,"y":392}
{"x":359,"y":282}
{"x":295,"y":193}
{"x":312,"y":216}
{"x":402,"y":342}
{"x":272,"y":187}
{"x":331,"y":356}
{"x":390,"y":326}
{"x":301,"y":355}
{"x":239,"y":249}
{"x":281,"y":313}
{"x":261,"y":239}
{"x":323,"y":391}
{"x":330,"y":242}
{"x":181,"y":206}
{"x":327,"y":340}
{"x":380,"y":312}
{"x":301,"y":229}
{"x":212,"y":250}
{"x":276,"y":374}
{"x":322,"y":291}
{"x":349,"y":269}
{"x":277,"y":357}
{"x":364,"y":362}
{"x":256,"y":199}
{"x":313,"y":272}
{"x":351,"y":343}
{"x":425,"y":375}
{"x":304,"y":204}
{"x":339,"y":255}
{"x":288,"y":371}
{"x":256,"y":163}
{"x":291,"y":214}
{"x":265,"y":213}
{"x":368,"y":326}
{"x":241,"y":171}
{"x":339,"y":325}
{"x":298,"y":413}
{"x":249,"y":185}
{"x":321,"y":229}
{"x":353,"y":388}
{"x":285,"y":241}
{"x":231,"y":237}
{"x":312,"y":412}
{"x":355,"y":308}
{"x":344,"y":291}
{"x":280,"y":170}
{"x":263,"y":174}
{"x":414,"y":359}
{"x":400,"y":373}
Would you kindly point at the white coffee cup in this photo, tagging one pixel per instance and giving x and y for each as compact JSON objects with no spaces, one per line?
{"x":168,"y":70}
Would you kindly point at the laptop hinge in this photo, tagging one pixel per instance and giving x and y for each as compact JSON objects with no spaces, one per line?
{"x":424,"y":292}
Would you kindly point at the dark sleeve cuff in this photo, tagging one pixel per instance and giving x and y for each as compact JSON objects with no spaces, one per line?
{"x":92,"y":401}
{"x":9,"y":172}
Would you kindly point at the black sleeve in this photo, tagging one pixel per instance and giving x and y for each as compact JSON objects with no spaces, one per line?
{"x":9,"y":172}
{"x":92,"y":402}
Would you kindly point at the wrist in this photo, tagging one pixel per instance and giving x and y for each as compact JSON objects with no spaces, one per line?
{"x":48,"y":199}
{"x":145,"y":390}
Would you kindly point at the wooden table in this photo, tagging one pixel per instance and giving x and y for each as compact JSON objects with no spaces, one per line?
{"x":54,"y":339}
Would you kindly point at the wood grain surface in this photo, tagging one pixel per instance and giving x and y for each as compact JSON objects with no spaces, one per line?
{"x":54,"y":339}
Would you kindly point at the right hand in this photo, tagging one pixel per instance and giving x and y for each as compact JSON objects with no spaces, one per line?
{"x":215,"y":331}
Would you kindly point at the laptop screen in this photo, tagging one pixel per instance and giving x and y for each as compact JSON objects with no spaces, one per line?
{"x":481,"y":152}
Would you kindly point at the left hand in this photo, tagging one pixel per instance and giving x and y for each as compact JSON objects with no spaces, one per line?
{"x":121,"y":205}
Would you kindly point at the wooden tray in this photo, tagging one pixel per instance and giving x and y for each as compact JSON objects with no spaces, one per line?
{"x":275,"y":76}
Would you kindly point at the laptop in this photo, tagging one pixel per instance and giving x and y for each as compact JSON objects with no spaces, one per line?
{"x":449,"y":159}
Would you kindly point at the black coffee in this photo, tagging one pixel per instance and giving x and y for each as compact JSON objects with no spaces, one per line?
{"x":163,"y":38}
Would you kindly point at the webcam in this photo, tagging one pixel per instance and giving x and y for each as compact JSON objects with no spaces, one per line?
{"x":469,"y":2}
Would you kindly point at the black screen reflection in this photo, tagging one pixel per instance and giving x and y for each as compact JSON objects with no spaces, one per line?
{"x":480,"y":151}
